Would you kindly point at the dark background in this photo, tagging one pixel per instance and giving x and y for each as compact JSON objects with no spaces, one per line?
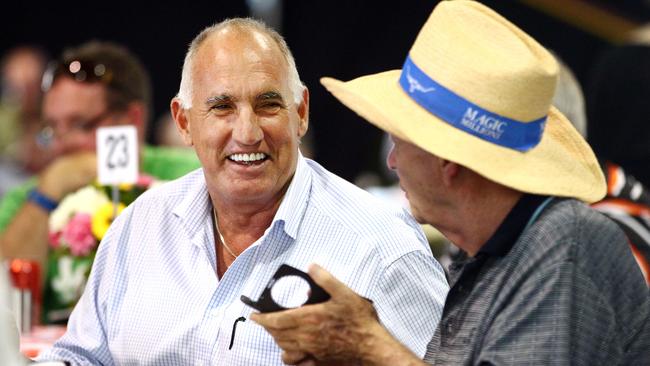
{"x":343,"y":39}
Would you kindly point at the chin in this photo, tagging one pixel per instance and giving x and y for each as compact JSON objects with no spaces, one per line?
{"x":420,"y":220}
{"x":416,"y":215}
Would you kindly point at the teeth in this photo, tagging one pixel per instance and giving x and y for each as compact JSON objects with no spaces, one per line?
{"x":246,"y":158}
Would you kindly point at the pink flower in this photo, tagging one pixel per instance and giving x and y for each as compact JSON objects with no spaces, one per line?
{"x":78,"y":235}
{"x":54,"y":238}
{"x":144,"y":180}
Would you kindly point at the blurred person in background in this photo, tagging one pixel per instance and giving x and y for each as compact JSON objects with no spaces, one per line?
{"x":96,"y":84}
{"x":21,"y":152}
{"x":617,"y":95}
{"x":167,"y":134}
{"x":627,"y":201}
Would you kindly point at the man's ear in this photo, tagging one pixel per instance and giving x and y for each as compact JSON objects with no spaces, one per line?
{"x":303,"y":113}
{"x":181,"y":120}
{"x":136,"y":114}
{"x":449,"y":171}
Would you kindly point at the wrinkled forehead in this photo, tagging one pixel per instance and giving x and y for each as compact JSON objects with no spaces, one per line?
{"x":240,"y":55}
{"x":67,"y":97}
{"x":239,"y":44}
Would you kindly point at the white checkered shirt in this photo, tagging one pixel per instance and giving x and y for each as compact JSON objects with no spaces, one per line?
{"x":153,"y":297}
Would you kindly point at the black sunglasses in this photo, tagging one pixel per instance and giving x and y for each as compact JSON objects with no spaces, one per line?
{"x":79,"y":70}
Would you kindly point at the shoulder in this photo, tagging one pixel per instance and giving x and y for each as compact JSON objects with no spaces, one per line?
{"x":570,"y":230}
{"x":567,"y":234}
{"x":574,"y":221}
{"x":171,"y":193}
{"x":594,"y":248}
{"x":360,"y":212}
{"x":154,"y":214}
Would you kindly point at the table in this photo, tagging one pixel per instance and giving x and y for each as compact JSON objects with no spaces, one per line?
{"x":40,"y":339}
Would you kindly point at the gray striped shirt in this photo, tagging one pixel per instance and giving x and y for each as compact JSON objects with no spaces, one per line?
{"x":566,"y":292}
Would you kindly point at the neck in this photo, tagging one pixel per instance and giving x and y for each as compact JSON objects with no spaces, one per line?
{"x":478,"y":213}
{"x":242,"y":225}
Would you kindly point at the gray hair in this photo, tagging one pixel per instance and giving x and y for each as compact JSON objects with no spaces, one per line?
{"x":185,"y":91}
{"x":569,"y":98}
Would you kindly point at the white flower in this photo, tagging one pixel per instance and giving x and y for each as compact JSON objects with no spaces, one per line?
{"x":69,"y":283}
{"x":85,"y":200}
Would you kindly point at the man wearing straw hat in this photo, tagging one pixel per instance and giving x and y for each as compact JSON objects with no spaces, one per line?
{"x":485,"y":158}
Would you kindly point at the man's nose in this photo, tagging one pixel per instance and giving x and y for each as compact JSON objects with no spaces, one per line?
{"x":247,"y":130}
{"x":71,"y":141}
{"x":60,"y":145}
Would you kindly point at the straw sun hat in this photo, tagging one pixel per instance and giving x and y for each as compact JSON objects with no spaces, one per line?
{"x":477,"y":90}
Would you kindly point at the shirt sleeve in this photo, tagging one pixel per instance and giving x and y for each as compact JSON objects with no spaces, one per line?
{"x":12,"y":202}
{"x":409,"y":299}
{"x":86,"y":341}
{"x":557,"y":317}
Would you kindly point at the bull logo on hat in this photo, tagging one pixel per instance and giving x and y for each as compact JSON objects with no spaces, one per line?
{"x":414,"y":84}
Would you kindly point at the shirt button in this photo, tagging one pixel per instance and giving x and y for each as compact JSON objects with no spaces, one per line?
{"x":449,"y":327}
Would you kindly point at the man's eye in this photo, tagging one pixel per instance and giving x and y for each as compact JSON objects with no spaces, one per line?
{"x":221,"y":109}
{"x":271,"y":106}
{"x":84,"y":126}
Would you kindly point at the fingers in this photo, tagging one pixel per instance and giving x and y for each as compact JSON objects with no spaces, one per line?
{"x":278,"y":320}
{"x":328,"y":282}
{"x":67,"y":174}
{"x":294,"y":357}
{"x":307,"y":362}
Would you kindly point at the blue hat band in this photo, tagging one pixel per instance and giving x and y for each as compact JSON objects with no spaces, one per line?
{"x":467,"y":116}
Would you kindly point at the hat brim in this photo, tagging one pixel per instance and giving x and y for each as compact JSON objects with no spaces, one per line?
{"x":562,"y":164}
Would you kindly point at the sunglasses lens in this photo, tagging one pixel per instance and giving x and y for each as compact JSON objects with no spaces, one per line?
{"x":86,"y":71}
{"x":99,"y":70}
{"x":78,"y":70}
{"x":44,"y":137}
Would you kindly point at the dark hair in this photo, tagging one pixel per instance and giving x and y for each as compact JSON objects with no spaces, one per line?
{"x":618,"y":128}
{"x":128,"y":82}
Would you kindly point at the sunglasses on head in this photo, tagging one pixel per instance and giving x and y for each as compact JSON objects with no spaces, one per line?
{"x":78,"y":70}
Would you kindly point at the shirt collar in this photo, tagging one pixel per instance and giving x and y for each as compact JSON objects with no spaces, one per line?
{"x":294,"y":203}
{"x":512,"y":226}
{"x":195,"y":207}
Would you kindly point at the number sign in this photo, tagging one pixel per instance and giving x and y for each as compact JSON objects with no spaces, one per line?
{"x":117,"y":154}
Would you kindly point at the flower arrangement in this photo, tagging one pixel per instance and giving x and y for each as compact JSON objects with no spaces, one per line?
{"x":76,"y":227}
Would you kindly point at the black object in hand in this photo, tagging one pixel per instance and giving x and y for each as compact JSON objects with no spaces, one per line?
{"x":266,"y":304}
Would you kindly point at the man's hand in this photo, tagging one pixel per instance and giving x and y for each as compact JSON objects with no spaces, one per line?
{"x":26,"y":235}
{"x":67,"y":174}
{"x":342,"y":329}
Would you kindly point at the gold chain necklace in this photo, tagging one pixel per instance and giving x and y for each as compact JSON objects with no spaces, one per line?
{"x":223,"y":241}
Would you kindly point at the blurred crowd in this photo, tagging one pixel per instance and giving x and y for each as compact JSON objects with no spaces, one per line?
{"x":22,"y":151}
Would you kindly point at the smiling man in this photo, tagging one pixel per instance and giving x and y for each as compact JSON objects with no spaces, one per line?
{"x":166,"y":283}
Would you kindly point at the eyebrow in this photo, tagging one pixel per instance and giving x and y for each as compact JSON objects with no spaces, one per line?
{"x":227,"y":98}
{"x":270,"y":95}
{"x":223,"y":98}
